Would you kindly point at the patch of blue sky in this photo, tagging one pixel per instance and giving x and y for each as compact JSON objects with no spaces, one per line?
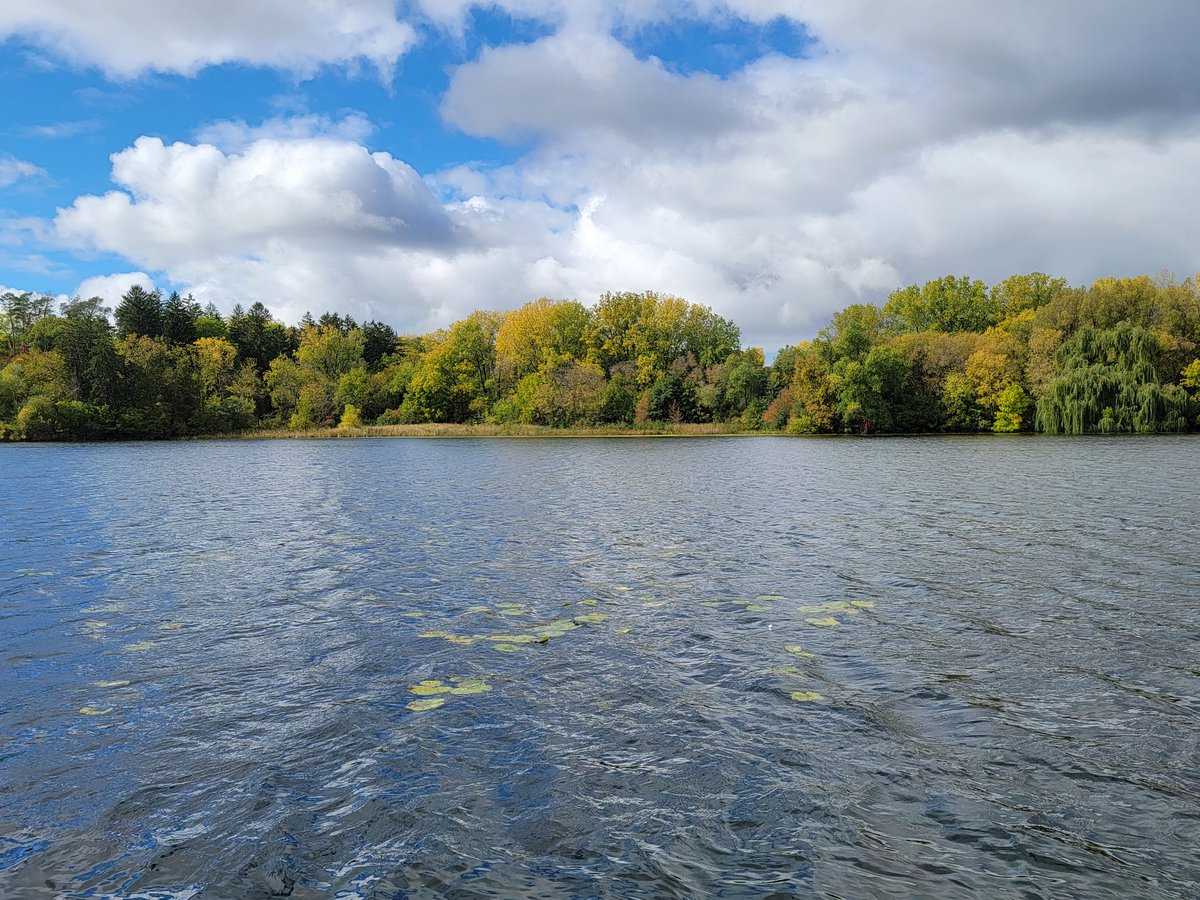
{"x":719,"y":47}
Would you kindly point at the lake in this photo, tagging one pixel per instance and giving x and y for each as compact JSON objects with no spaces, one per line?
{"x":734,"y":667}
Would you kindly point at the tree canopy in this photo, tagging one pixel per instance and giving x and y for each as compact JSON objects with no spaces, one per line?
{"x":951,"y":355}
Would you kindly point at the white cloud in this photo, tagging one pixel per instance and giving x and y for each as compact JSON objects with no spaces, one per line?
{"x":60,"y":130}
{"x":127,"y":37}
{"x":110,"y":288}
{"x":920,"y":139}
{"x":184,"y":202}
{"x":13,"y":170}
{"x":236,"y":135}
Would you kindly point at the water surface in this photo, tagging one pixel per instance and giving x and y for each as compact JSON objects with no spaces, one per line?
{"x":770,"y":667}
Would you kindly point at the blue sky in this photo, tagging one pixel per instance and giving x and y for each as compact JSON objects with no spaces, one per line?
{"x":412,"y":161}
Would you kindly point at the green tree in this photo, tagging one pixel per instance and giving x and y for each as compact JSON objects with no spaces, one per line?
{"x":1108,"y":382}
{"x":947,"y":304}
{"x":179,"y":318}
{"x":140,"y":312}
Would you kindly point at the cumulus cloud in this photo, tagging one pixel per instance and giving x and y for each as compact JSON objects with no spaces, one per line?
{"x":915,"y":140}
{"x":127,"y":37}
{"x":13,"y":170}
{"x":578,"y":82}
{"x":183,"y":202}
{"x":235,"y":135}
{"x":110,"y":288}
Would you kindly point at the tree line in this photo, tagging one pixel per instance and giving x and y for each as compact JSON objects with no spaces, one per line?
{"x":953,"y":355}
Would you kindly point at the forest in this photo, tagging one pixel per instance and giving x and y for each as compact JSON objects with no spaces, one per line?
{"x":954,"y":355}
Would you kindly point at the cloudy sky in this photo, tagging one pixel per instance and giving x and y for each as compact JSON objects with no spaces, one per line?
{"x":412,"y":161}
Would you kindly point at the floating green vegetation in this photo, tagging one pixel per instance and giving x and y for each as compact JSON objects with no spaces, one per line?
{"x":556,"y":628}
{"x":513,"y":638}
{"x":414,"y":614}
{"x":426,"y":704}
{"x":757,"y":607}
{"x":93,"y":711}
{"x":95,"y":624}
{"x":823,"y":621}
{"x":510,"y":609}
{"x":589,"y":602}
{"x":840,"y":606}
{"x":863,"y":604}
{"x":115,"y":683}
{"x":171,"y":626}
{"x":506,"y":648}
{"x":806,"y":696}
{"x":434,"y":634}
{"x":624,"y":630}
{"x":434,"y":691}
{"x":465,"y":687}
{"x":769,"y":598}
{"x":622,"y":587}
{"x":478,"y":611}
{"x":712,"y":604}
{"x":140,"y":646}
{"x":459,"y":639}
{"x":797,"y":650}
{"x":590,"y":619}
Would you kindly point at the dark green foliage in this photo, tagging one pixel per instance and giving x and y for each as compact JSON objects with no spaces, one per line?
{"x":257,"y":336}
{"x":19,"y":315}
{"x":379,"y":341}
{"x":672,"y":400}
{"x":140,"y":312}
{"x":1108,"y":383}
{"x":85,"y":342}
{"x":179,"y":318}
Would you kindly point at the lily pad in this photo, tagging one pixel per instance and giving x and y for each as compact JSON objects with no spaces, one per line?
{"x":93,"y":711}
{"x":624,"y":630}
{"x":426,"y":704}
{"x":622,"y":587}
{"x":171,"y":626}
{"x":510,"y":609}
{"x":863,"y":604}
{"x":590,"y":619}
{"x":434,"y":634}
{"x":806,"y":696}
{"x":589,"y":602}
{"x":712,"y":604}
{"x":513,"y":638}
{"x":425,"y":689}
{"x":506,"y":648}
{"x":465,"y":687}
{"x":757,"y":607}
{"x":823,"y":621}
{"x":797,"y":650}
{"x":139,"y":647}
{"x":116,"y":683}
{"x":478,"y":611}
{"x":95,"y":624}
{"x":769,"y":597}
{"x":459,"y":639}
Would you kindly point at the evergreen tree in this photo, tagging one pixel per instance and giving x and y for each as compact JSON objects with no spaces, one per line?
{"x":140,"y":312}
{"x":179,"y":318}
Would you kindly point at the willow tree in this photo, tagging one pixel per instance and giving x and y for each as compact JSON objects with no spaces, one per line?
{"x":1107,"y":382}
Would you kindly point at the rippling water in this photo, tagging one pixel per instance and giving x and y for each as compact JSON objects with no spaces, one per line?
{"x":844,"y":668}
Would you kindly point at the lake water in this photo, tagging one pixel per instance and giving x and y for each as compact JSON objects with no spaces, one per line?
{"x":833,"y":668}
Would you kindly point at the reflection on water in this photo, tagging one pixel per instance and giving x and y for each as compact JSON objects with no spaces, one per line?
{"x":627,"y":668}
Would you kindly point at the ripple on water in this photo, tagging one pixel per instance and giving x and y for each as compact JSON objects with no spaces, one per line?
{"x":768,"y":667}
